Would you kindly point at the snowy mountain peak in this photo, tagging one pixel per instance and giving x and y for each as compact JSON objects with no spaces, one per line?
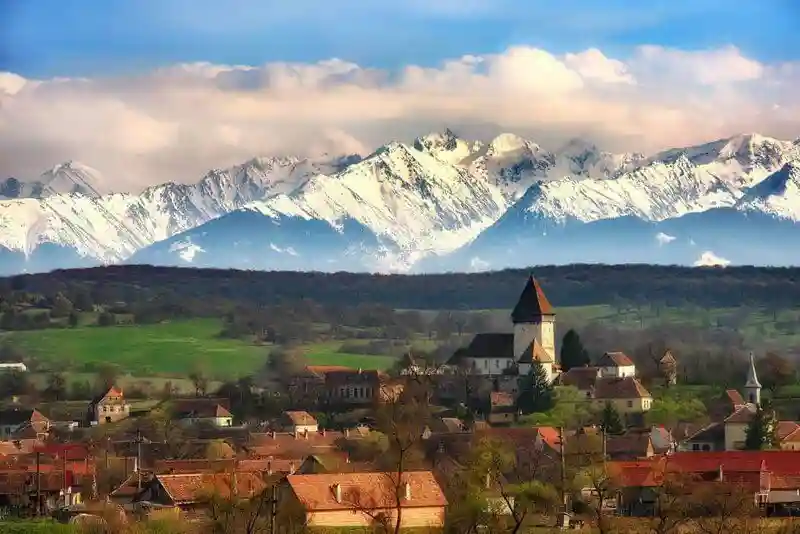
{"x":508,"y":143}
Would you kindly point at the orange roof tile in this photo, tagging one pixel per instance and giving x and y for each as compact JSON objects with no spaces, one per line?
{"x":194,"y":487}
{"x":614,"y":359}
{"x":365,"y":490}
{"x":298,"y":417}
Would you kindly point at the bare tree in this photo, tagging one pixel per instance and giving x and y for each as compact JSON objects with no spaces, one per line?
{"x":721,"y":507}
{"x":512,"y":483}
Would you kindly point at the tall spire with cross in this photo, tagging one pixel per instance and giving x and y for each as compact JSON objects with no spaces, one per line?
{"x":753,"y":387}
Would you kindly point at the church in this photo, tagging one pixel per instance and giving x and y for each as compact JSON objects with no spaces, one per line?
{"x":533,"y":340}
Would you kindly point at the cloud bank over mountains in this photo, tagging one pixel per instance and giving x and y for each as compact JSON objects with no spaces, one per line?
{"x":173,"y":123}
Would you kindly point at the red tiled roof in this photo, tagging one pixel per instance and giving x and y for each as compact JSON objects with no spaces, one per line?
{"x":532,"y":303}
{"x":786,"y":429}
{"x":298,"y":417}
{"x":501,"y":399}
{"x":743,"y":414}
{"x":550,"y":435}
{"x":614,"y":359}
{"x":194,"y":487}
{"x":262,"y":465}
{"x":582,"y":378}
{"x":778,"y":462}
{"x":628,"y":387}
{"x":365,"y":490}
{"x":735,"y":397}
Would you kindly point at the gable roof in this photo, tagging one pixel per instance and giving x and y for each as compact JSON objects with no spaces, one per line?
{"x":734,"y":397}
{"x":17,"y":416}
{"x":614,"y":359}
{"x":535,"y":353}
{"x":365,"y":490}
{"x":628,"y":387}
{"x":112,"y":392}
{"x":668,"y":358}
{"x":743,"y":414}
{"x":490,"y":345}
{"x":300,"y":417}
{"x":501,"y":399}
{"x":193,"y":487}
{"x":532,"y":304}
{"x":634,"y":445}
{"x":582,"y":378}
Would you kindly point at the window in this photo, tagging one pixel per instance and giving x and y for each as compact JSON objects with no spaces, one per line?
{"x":695,"y":446}
{"x":630,"y":404}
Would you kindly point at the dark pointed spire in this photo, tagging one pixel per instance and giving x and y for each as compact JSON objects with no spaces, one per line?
{"x":532,"y":304}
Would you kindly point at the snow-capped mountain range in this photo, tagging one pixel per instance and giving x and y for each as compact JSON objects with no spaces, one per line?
{"x":438,"y":203}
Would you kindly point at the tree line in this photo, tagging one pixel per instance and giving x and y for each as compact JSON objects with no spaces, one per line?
{"x":570,"y":285}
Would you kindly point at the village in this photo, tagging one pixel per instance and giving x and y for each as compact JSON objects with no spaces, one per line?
{"x":423,"y":446}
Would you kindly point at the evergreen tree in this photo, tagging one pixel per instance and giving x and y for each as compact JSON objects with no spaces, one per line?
{"x":762,"y":432}
{"x":74,"y":319}
{"x":573,"y":353}
{"x":535,"y":392}
{"x":610,"y":421}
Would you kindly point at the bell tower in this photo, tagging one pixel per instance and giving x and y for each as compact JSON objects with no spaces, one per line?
{"x":534,"y":319}
{"x":752,"y":388}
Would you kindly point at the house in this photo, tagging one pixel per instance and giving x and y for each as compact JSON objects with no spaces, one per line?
{"x":627,"y":395}
{"x":19,"y":489}
{"x":13,"y":366}
{"x":629,"y":446}
{"x":214,"y":412}
{"x":581,"y":378}
{"x":730,"y":433}
{"x":15,"y":420}
{"x":299,"y":422}
{"x":191,"y":492}
{"x":616,"y":365}
{"x":348,"y":500}
{"x":502,"y":408}
{"x":532,"y":341}
{"x":773,"y":477}
{"x":109,"y":407}
{"x":668,"y":366}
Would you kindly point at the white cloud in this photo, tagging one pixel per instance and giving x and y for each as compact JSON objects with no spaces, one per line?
{"x":664,"y":239}
{"x":174,"y":123}
{"x":709,"y":259}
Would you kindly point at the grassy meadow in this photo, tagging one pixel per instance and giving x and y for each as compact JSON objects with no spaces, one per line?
{"x":171,"y":350}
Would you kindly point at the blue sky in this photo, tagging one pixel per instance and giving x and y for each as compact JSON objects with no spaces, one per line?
{"x":40,"y":38}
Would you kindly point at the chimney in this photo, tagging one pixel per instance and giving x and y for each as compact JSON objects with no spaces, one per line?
{"x":291,"y":467}
{"x":305,"y":433}
{"x":347,"y":432}
{"x":407,"y":490}
{"x":337,"y":492}
{"x":272,"y":434}
{"x":269,"y":467}
{"x":720,"y":474}
{"x":488,"y":480}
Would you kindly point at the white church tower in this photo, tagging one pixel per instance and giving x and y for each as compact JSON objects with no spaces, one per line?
{"x":752,"y":388}
{"x":534,"y":330}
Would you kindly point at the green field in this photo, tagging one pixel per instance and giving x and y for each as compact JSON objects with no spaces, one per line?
{"x":174,"y":348}
{"x":327,"y":354}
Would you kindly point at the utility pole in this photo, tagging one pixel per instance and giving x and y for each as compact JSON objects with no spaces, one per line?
{"x":139,"y":459}
{"x":273,"y":501}
{"x":38,"y":484}
{"x":563,"y":469}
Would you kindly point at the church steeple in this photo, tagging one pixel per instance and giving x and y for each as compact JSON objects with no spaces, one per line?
{"x":752,"y":387}
{"x":532,"y":304}
{"x":534,"y":324}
